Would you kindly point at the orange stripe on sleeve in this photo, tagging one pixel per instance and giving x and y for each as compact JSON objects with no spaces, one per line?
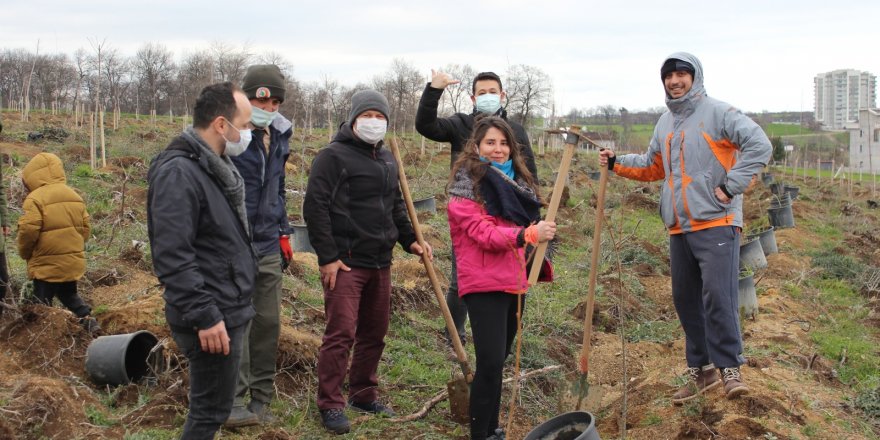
{"x":652,"y":172}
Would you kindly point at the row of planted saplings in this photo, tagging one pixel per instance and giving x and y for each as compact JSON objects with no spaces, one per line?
{"x":754,"y":250}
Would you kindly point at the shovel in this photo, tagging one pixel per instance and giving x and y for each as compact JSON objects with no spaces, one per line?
{"x":583,"y":386}
{"x":458,"y":388}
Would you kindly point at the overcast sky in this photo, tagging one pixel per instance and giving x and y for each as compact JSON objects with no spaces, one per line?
{"x":757,"y":55}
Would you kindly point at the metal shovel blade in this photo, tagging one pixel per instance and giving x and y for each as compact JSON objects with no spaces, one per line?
{"x":459,"y":399}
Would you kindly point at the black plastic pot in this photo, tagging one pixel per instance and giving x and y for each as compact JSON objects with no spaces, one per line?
{"x":776,"y":188}
{"x":428,"y":204}
{"x":768,"y":240}
{"x":751,"y":255}
{"x":301,"y":241}
{"x":766,"y":178}
{"x":781,"y":217}
{"x":120,"y":359}
{"x":595,"y":175}
{"x":575,"y":425}
{"x":792,"y":191}
{"x":748,"y":298}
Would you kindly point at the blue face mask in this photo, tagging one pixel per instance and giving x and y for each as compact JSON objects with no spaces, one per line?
{"x":261,"y":118}
{"x":506,"y":167}
{"x":488,"y":103}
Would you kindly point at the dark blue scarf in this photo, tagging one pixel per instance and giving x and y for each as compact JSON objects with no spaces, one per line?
{"x":506,"y":199}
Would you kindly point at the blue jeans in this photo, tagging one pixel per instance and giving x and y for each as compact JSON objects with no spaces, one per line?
{"x":212,"y":380}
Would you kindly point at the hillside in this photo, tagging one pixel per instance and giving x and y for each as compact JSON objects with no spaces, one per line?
{"x":813,"y":356}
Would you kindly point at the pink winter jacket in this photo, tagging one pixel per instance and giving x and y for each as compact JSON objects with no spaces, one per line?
{"x":486,"y":254}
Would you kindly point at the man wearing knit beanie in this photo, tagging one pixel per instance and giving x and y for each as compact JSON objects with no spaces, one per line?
{"x":355,"y":214}
{"x":262,"y":166}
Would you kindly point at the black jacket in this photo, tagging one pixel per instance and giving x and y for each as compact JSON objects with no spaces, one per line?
{"x":263,"y":176}
{"x":457,"y":128}
{"x":201,"y":252}
{"x":353,"y":206}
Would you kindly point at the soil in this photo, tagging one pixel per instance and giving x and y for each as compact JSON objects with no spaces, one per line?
{"x":45,"y":391}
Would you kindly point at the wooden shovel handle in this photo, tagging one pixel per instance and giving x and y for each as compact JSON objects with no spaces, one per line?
{"x":570,"y":144}
{"x":584,"y":363}
{"x":429,"y":267}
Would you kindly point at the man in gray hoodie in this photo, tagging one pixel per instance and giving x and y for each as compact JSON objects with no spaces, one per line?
{"x":706,"y":152}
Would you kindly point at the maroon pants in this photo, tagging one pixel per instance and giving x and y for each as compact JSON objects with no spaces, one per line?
{"x":357,"y":313}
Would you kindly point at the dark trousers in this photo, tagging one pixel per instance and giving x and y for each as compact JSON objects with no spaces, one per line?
{"x":357,"y":312}
{"x":260,"y":346}
{"x":456,"y":306}
{"x":44,"y":291}
{"x":705,"y":273}
{"x":212,"y":380}
{"x":493,"y":321}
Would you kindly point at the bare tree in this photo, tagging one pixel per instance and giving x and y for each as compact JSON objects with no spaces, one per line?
{"x":529,"y":91}
{"x":401,"y":85}
{"x":230,"y":62}
{"x":277,"y":59}
{"x":154,"y":66}
{"x":608,"y":111}
{"x":457,"y":96}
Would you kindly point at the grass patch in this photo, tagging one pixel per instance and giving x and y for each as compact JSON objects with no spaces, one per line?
{"x":654,"y":331}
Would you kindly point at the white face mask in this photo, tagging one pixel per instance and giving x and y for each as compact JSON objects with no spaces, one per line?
{"x":261,"y":118}
{"x":370,"y":130}
{"x":488,"y":103}
{"x":236,"y":148}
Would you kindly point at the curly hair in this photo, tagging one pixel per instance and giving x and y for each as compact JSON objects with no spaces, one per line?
{"x":470,"y":161}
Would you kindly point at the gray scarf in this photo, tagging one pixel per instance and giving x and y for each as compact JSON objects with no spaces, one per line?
{"x":226,"y":175}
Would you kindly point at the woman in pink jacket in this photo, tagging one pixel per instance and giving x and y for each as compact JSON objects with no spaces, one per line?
{"x":494,"y":212}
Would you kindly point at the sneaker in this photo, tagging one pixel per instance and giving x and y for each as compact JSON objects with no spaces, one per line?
{"x":90,"y":324}
{"x":240,"y":417}
{"x":374,"y":407}
{"x":498,"y":435}
{"x":699,"y":381}
{"x":733,"y":383}
{"x":262,"y":411}
{"x":334,"y":420}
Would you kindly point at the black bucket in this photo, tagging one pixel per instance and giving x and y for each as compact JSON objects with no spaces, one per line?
{"x":751,"y":255}
{"x":301,"y":241}
{"x":768,"y":240}
{"x":766,"y":179}
{"x":120,"y":359}
{"x":776,"y":188}
{"x":576,"y":425}
{"x":792,"y":191}
{"x":781,"y":216}
{"x":428,"y":204}
{"x":748,"y":298}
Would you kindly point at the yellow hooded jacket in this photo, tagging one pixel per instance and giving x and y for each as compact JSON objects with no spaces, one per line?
{"x":55,"y":225}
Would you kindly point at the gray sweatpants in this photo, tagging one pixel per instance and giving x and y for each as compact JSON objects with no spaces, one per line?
{"x":705,"y":273}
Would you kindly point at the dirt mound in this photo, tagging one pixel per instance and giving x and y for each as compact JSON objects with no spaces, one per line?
{"x":41,"y":407}
{"x":142,"y":314}
{"x":165,"y":409}
{"x":45,"y":339}
{"x":297,"y":350}
{"x":410,"y":286}
{"x":641,"y":200}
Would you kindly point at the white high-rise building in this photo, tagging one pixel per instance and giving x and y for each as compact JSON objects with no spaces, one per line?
{"x":840,"y":94}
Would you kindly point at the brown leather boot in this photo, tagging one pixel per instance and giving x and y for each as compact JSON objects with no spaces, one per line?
{"x":733,"y":383}
{"x":700,"y":380}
